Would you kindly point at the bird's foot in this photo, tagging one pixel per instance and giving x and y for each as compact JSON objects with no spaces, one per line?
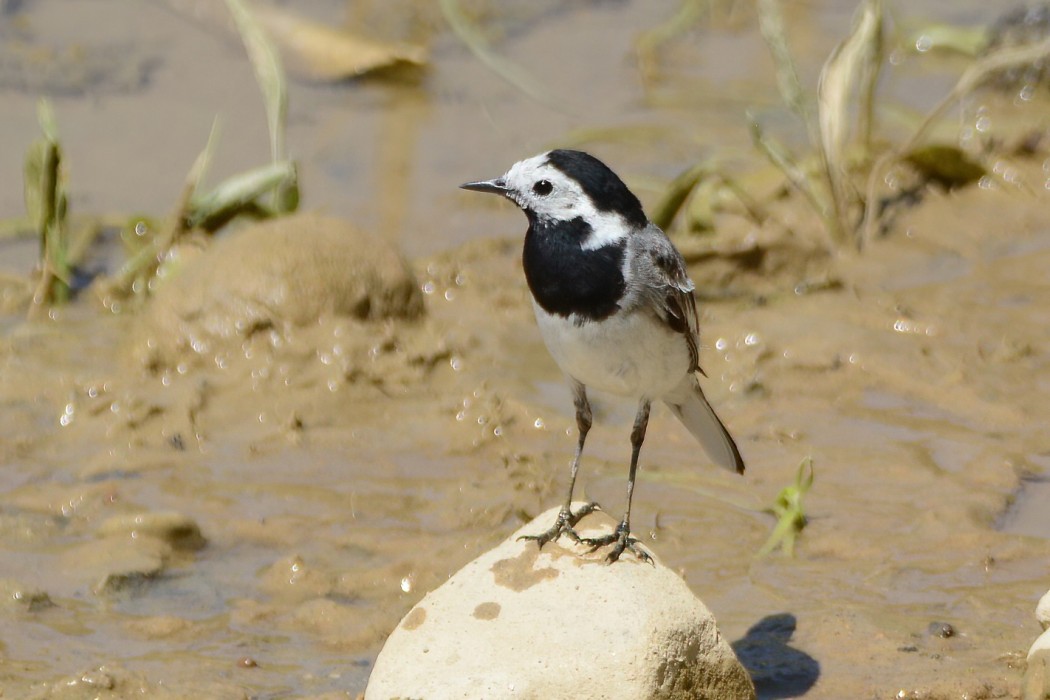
{"x":563,"y":525}
{"x":621,"y":540}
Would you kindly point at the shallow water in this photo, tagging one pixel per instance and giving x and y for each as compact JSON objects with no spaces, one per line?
{"x":332,"y":501}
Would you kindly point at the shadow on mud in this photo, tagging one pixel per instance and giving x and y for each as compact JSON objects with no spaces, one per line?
{"x":777,"y":669}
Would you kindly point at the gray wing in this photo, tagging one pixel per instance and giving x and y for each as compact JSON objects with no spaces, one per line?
{"x":665,"y":285}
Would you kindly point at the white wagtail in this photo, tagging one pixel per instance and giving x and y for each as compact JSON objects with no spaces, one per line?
{"x":615,"y":306}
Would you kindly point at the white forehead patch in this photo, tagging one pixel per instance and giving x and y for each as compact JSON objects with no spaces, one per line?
{"x":565,"y":202}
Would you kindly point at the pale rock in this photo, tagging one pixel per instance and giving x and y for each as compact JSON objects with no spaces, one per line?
{"x":518,"y":622}
{"x":1042,"y":611}
{"x":1041,"y":644}
{"x":1036,"y":684}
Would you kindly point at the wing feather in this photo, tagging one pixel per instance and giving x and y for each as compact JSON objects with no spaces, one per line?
{"x":673,"y":290}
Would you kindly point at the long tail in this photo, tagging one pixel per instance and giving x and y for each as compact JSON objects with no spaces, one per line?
{"x":690,"y":405}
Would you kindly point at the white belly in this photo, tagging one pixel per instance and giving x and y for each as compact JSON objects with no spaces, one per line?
{"x":630,"y":356}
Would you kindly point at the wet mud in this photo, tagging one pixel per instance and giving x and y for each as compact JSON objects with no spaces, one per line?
{"x":187,"y":513}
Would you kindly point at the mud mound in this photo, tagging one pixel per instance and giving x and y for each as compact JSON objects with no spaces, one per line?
{"x":271,"y":278}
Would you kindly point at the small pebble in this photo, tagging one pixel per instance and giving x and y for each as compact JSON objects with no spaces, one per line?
{"x":943,"y":630}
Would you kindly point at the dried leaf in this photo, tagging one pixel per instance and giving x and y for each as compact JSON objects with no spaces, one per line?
{"x":324,"y":53}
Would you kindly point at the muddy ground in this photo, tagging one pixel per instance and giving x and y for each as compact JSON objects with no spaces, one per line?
{"x":249,"y":517}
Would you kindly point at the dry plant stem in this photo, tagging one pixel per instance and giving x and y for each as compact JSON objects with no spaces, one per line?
{"x":754,"y":209}
{"x":183,"y":210}
{"x":479,"y":46}
{"x":39,"y":299}
{"x":869,"y":80}
{"x":42,"y":293}
{"x":269,"y":72}
{"x":677,"y":192}
{"x":178,"y":225}
{"x":688,"y":14}
{"x":16,"y":227}
{"x":795,"y":175}
{"x":771,"y":25}
{"x":46,"y":205}
{"x":147,"y":260}
{"x":970,"y":79}
{"x":849,"y":71}
{"x":273,"y":83}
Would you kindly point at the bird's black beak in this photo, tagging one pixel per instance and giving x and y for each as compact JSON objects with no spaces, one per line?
{"x":496,"y":186}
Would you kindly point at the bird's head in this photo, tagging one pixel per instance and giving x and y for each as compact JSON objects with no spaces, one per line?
{"x":564,"y":185}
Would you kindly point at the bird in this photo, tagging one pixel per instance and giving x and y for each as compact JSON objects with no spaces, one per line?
{"x":614,"y":304}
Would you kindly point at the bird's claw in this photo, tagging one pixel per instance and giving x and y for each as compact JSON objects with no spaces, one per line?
{"x":563,"y":526}
{"x":621,"y":540}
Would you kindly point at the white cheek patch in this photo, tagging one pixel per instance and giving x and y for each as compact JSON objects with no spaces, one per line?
{"x":568,"y":202}
{"x":607,"y":228}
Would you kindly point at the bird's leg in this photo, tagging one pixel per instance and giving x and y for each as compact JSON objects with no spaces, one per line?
{"x":566,"y":518}
{"x":621,"y":537}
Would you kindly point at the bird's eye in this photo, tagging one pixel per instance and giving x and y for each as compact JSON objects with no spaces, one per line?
{"x":543,"y":188}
